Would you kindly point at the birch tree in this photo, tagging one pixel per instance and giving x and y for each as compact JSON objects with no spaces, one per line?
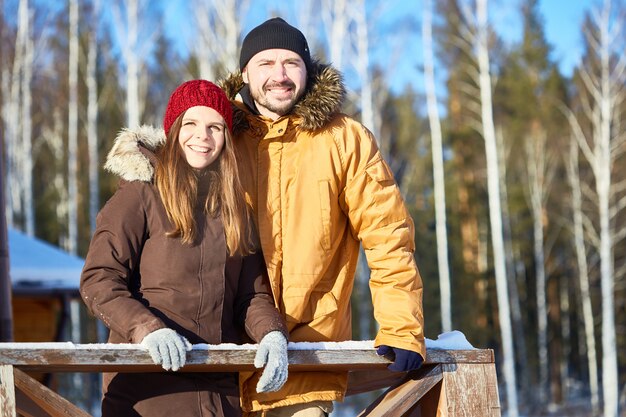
{"x":477,"y":38}
{"x":26,"y":137}
{"x":438,"y":172}
{"x":572,"y":170}
{"x":540,"y":168}
{"x":72,"y":128}
{"x":603,"y":74}
{"x":219,"y":29}
{"x":12,"y":117}
{"x":92,"y":117}
{"x":135,"y":43}
{"x":336,"y":23}
{"x":511,"y":254}
{"x":132,"y":65}
{"x":6,"y":312}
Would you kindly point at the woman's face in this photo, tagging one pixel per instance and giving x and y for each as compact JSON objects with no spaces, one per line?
{"x":201,"y":136}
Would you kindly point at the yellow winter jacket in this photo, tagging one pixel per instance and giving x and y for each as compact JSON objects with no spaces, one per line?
{"x":318,"y":186}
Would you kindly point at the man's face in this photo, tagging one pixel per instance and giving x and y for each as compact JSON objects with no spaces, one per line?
{"x":277,"y":80}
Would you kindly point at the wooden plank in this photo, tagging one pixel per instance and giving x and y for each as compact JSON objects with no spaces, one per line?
{"x":402,"y":398}
{"x":46,"y":399}
{"x":27,"y":407}
{"x":83,"y":358}
{"x":134,"y":360}
{"x":360,"y":381}
{"x":7,"y":392}
{"x":471,"y":390}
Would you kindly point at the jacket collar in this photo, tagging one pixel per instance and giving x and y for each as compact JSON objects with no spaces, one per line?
{"x":323,"y":99}
{"x":132,"y":155}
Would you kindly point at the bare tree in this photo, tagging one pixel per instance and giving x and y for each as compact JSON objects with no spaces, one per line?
{"x":219,"y":28}
{"x":53,"y":136}
{"x":477,"y":40}
{"x":512,"y":266}
{"x":26,"y":134}
{"x":92,"y":117}
{"x":135,"y":45}
{"x":72,"y":129}
{"x":133,"y":108}
{"x":336,"y":21}
{"x":604,"y":77}
{"x":12,"y":117}
{"x":438,"y":172}
{"x":362,"y":62}
{"x":6,"y":310}
{"x":571,"y":165}
{"x":540,"y":169}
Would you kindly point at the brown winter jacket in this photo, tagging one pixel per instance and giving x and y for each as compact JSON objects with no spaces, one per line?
{"x":318,"y":187}
{"x":137,"y":280}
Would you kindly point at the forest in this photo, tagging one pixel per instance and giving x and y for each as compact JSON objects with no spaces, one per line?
{"x":513,"y":171}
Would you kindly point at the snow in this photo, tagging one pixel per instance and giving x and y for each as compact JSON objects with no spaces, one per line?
{"x":36,"y":264}
{"x":454,"y":340}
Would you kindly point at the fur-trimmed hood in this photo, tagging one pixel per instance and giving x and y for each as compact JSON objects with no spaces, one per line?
{"x":131,"y":157}
{"x":324,"y":97}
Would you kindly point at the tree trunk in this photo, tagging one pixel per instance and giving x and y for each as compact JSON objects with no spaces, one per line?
{"x":495,"y":211}
{"x":583,"y":273}
{"x":92,"y":119}
{"x":72,"y":129}
{"x":6,"y":310}
{"x":512,"y":272}
{"x":438,"y":171}
{"x":535,"y":165}
{"x":219,"y":28}
{"x":610,"y":379}
{"x":334,"y":17}
{"x":26,"y":134}
{"x":132,"y":66}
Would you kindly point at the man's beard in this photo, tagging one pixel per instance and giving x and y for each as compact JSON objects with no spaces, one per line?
{"x":280,"y":107}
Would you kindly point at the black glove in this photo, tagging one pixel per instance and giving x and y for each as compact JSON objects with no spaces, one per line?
{"x":403,"y":360}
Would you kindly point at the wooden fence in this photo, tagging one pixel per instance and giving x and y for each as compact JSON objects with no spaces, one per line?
{"x":451,"y":383}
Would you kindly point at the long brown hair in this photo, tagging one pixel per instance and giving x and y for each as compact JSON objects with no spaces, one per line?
{"x":177,"y":183}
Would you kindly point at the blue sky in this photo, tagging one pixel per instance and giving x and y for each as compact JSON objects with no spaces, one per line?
{"x":396,"y":37}
{"x":562,"y":25}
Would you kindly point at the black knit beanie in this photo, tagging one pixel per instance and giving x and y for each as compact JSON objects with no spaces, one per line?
{"x":274,"y":33}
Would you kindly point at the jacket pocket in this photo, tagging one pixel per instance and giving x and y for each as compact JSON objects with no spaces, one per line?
{"x":380,"y":172}
{"x":319,"y":304}
{"x":324,"y":199}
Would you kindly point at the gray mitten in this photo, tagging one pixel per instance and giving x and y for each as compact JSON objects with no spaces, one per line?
{"x":272,"y":353}
{"x":167,"y":348}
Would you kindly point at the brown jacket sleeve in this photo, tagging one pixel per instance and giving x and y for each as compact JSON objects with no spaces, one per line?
{"x":114,"y":253}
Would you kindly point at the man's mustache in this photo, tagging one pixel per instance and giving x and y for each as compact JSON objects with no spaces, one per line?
{"x":288,"y":84}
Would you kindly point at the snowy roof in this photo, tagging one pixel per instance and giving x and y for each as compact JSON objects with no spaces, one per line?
{"x":36,"y":266}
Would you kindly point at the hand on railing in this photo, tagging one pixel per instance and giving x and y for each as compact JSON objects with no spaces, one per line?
{"x":167,"y":348}
{"x":272,"y":353}
{"x":403,"y":360}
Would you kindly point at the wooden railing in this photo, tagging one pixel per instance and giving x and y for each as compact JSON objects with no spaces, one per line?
{"x":450,"y":383}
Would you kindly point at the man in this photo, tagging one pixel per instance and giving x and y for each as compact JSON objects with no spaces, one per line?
{"x":318,"y":187}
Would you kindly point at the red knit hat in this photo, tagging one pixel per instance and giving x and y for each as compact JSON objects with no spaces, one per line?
{"x":197,"y":93}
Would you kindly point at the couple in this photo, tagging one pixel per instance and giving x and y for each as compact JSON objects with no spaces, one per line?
{"x":200,"y":246}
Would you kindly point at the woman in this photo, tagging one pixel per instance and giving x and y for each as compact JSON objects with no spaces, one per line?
{"x":172,"y":263}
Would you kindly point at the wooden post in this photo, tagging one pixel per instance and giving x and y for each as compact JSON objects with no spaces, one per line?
{"x":7,"y":392}
{"x":461,"y":386}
